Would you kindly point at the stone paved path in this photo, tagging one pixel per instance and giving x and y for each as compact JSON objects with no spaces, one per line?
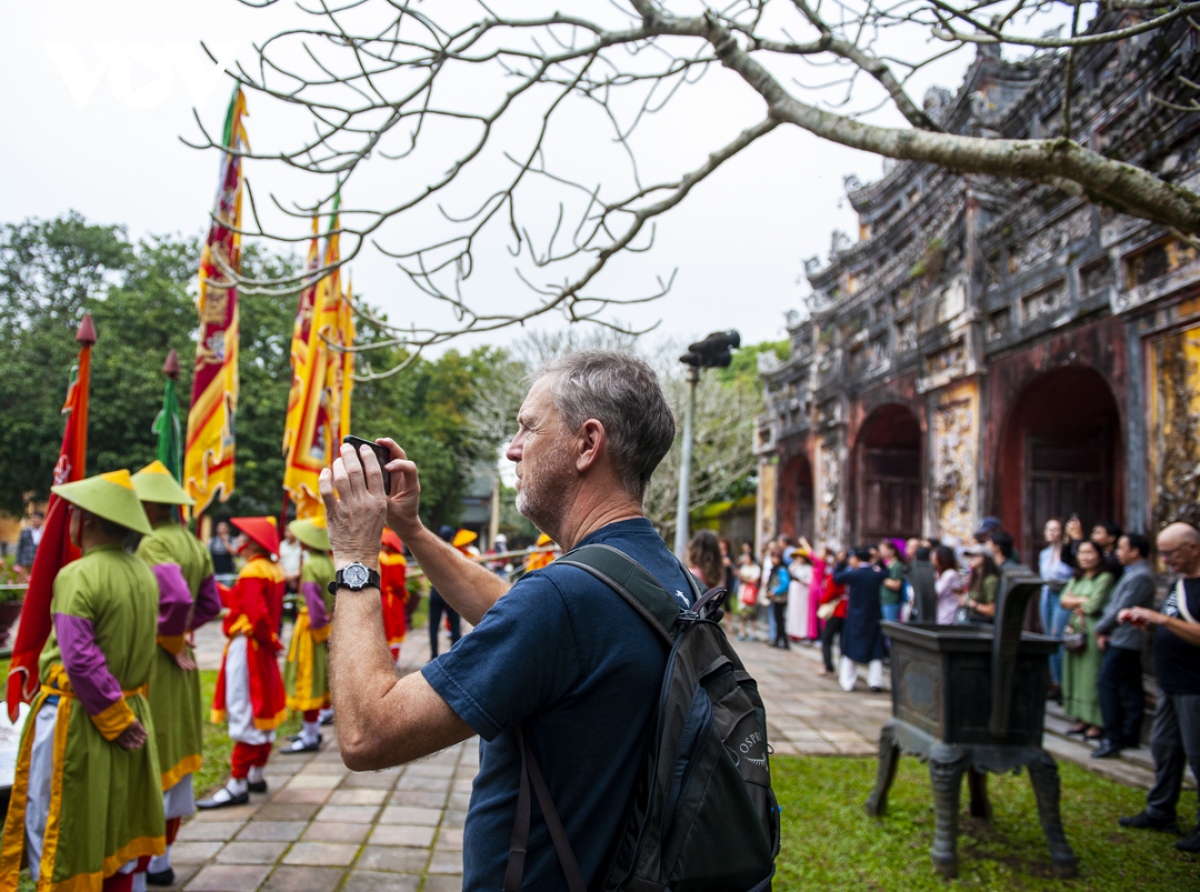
{"x":322,"y":828}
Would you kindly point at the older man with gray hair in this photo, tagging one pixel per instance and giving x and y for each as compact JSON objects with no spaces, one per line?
{"x":559,"y":657}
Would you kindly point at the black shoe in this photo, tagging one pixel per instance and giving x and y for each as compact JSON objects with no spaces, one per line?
{"x":257,"y":786}
{"x":1146,"y":821}
{"x":876,"y":690}
{"x":300,"y":746}
{"x":161,"y":878}
{"x":239,"y":799}
{"x":1190,"y":843}
{"x":1106,"y":750}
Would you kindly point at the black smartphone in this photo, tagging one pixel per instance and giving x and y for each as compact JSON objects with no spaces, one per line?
{"x":382,"y":453}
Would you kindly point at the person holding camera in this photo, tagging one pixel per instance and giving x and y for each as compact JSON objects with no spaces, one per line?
{"x":559,"y":660}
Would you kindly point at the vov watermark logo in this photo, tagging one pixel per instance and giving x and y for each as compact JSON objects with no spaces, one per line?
{"x":162,"y":62}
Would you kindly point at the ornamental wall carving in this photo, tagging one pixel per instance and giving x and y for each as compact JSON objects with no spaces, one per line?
{"x":829,"y":491}
{"x":955,"y":460}
{"x":1175,"y":427}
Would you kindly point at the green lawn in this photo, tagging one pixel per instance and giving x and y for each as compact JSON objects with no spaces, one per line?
{"x":829,"y":842}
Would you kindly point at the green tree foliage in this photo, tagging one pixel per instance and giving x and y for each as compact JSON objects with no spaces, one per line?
{"x":142,"y":300}
{"x":429,"y":409}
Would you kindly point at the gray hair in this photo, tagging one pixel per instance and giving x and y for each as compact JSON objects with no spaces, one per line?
{"x":623,"y":394}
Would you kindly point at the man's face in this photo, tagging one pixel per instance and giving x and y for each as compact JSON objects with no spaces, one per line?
{"x":541,"y":450}
{"x":1125,"y":554}
{"x":36,"y":519}
{"x":1178,"y":553}
{"x":1101,"y":537}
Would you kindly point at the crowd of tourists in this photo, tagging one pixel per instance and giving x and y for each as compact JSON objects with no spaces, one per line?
{"x":1097,"y":597}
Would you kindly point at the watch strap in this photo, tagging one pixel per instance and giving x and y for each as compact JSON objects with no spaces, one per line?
{"x":339,"y":582}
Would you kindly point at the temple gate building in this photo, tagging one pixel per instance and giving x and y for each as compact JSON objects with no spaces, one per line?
{"x":994,"y":347}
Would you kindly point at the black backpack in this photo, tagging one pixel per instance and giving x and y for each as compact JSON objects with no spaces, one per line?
{"x":703,"y":817}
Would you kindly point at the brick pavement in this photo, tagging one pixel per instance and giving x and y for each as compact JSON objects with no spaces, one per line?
{"x":322,"y":827}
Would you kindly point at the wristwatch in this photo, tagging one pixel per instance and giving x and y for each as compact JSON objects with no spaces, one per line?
{"x":355,"y":577}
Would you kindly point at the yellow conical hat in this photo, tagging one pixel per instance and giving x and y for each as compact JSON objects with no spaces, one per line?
{"x":543,"y":540}
{"x":154,"y":483}
{"x":111,"y":496}
{"x":311,"y":532}
{"x":464,"y":538}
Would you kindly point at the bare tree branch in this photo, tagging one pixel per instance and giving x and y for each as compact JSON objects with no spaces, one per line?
{"x":484,"y":91}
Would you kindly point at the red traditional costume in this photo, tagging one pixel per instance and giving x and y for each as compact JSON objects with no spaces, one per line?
{"x":250,"y":692}
{"x":393,"y":573}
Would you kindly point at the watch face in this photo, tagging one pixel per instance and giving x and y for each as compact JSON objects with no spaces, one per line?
{"x":355,"y":576}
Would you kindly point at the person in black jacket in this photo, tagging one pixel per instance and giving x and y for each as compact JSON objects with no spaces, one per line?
{"x":1122,"y":700}
{"x":27,"y":543}
{"x":862,"y":636}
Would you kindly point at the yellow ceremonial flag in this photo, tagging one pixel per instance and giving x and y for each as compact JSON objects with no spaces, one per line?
{"x":211,"y":430}
{"x":301,"y":333}
{"x":347,"y":332}
{"x":315,"y":426}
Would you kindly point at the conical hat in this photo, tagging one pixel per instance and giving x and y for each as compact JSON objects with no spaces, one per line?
{"x":154,"y":483}
{"x":464,"y":538}
{"x":261,"y":529}
{"x":391,"y":540}
{"x":543,"y":540}
{"x":311,"y":532}
{"x":110,"y":496}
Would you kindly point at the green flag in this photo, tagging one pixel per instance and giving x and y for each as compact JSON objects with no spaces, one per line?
{"x":167,"y":426}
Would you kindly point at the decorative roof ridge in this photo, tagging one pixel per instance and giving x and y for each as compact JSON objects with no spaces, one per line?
{"x":889,"y":273}
{"x":956,"y":117}
{"x":903,"y":224}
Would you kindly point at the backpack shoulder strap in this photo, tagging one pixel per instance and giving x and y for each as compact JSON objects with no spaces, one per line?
{"x":632,"y":582}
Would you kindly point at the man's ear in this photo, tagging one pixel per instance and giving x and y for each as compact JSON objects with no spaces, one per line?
{"x":592,"y":439}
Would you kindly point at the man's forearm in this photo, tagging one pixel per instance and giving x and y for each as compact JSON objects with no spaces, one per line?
{"x":361,"y":671}
{"x":468,"y":587}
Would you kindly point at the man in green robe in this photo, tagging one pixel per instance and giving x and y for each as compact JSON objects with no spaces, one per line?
{"x":188,"y":598}
{"x":86,"y":807}
{"x":306,"y":673}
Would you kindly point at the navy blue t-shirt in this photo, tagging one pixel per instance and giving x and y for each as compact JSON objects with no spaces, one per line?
{"x":564,"y":652}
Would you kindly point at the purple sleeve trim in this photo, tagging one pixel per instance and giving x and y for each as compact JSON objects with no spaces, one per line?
{"x":208,"y":603}
{"x":174,"y":600}
{"x":317,"y":617}
{"x":91,"y":681}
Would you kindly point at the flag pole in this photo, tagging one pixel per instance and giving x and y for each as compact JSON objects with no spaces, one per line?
{"x":56,"y":549}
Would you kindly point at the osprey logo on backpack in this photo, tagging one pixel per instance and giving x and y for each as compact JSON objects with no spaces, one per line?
{"x":703,"y":817}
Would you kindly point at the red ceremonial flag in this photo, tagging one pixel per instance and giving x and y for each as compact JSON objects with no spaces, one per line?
{"x":55,"y":550}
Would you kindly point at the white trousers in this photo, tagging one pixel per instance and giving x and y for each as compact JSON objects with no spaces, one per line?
{"x":239,"y":711}
{"x":41,"y":772}
{"x":848,"y":673}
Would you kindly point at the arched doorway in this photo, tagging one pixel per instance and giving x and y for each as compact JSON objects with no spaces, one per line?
{"x":1061,"y":454}
{"x":887,"y":470}
{"x":796,"y":497}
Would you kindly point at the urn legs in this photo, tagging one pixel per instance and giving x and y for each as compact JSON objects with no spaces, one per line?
{"x":947,"y":765}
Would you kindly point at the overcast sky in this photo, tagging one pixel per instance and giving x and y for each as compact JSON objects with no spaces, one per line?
{"x":98,"y":94}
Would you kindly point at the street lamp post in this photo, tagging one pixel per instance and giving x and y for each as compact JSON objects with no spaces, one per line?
{"x":712,"y":352}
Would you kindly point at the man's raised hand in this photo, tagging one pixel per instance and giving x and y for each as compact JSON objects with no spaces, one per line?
{"x":355,"y":505}
{"x":405,"y":497}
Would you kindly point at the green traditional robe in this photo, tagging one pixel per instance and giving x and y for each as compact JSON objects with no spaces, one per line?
{"x":306,"y":673}
{"x":1081,"y":669}
{"x":106,"y":804}
{"x":174,"y":693}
